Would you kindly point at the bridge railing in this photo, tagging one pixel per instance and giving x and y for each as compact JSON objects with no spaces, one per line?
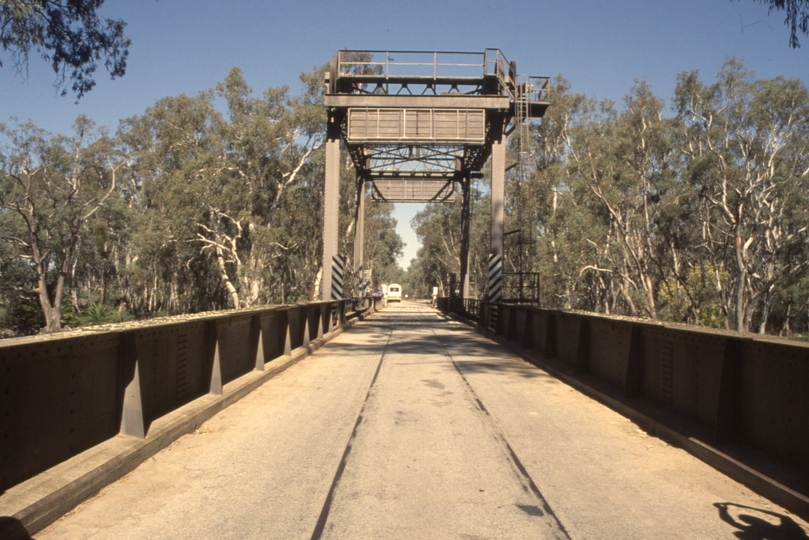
{"x":466,"y":307}
{"x":63,"y":394}
{"x":734,"y":389}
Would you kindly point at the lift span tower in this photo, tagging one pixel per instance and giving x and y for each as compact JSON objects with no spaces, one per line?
{"x":415,"y":124}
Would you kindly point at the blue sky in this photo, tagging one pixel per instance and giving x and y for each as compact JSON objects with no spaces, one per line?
{"x":185,"y":46}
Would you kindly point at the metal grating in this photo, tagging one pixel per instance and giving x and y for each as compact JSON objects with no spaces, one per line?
{"x":416,"y":125}
{"x":413,"y":191}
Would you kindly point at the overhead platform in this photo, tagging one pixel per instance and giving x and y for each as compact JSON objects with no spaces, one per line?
{"x":453,"y":102}
{"x":421,"y":72}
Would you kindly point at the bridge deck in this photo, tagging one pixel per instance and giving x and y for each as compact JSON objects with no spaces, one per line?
{"x":409,"y":426}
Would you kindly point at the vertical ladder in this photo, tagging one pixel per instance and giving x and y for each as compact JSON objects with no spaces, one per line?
{"x":521,"y":105}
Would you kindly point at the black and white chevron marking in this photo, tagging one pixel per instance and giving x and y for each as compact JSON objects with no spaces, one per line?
{"x":338,"y":263}
{"x":495,"y":278}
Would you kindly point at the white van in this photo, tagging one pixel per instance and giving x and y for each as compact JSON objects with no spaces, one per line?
{"x":394,"y":292}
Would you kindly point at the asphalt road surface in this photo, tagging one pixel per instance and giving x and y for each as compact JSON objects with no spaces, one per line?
{"x":411,"y":426}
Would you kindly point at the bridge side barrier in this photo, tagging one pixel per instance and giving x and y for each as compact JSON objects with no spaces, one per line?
{"x":63,"y":394}
{"x":742,"y":389}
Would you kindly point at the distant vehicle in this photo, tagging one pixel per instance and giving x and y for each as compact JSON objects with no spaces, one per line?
{"x":394,"y":292}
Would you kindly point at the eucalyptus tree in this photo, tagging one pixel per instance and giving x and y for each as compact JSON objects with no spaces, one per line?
{"x":101,"y":271}
{"x":569,"y":275}
{"x":623,"y":159}
{"x":645,"y":153}
{"x":438,"y":228}
{"x":177,"y":150}
{"x":594,"y":170}
{"x":225,"y":187}
{"x":746,"y":149}
{"x":50,"y":187}
{"x":383,"y":245}
{"x":269,"y":146}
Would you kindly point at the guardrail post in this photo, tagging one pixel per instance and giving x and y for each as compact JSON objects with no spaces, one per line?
{"x":315,"y":322}
{"x":499,"y":315}
{"x":288,"y":338}
{"x":729,"y":413}
{"x":273,"y":333}
{"x":633,"y":380}
{"x":257,"y":342}
{"x":332,"y":316}
{"x":517,"y":324}
{"x":549,"y":349}
{"x":582,"y":359}
{"x":216,"y":361}
{"x":321,"y":321}
{"x":528,"y":338}
{"x":483,"y":315}
{"x":503,"y":320}
{"x":306,"y":339}
{"x":132,"y":421}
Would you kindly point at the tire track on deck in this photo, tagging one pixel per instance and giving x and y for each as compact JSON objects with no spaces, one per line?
{"x":324,"y":512}
{"x":507,"y":448}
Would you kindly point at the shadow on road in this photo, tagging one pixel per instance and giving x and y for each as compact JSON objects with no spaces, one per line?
{"x":758,"y":524}
{"x":415,"y":335}
{"x":12,"y":529}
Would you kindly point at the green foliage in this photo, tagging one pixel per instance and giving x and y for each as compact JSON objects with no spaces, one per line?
{"x":696,"y":300}
{"x":438,"y":228}
{"x":23,"y":316}
{"x":51,"y":187}
{"x":70,"y":34}
{"x":102,"y":314}
{"x":382,"y":245}
{"x":186,"y":209}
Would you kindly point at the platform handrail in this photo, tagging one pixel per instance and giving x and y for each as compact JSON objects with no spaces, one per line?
{"x":386,"y":64}
{"x":381,"y":65}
